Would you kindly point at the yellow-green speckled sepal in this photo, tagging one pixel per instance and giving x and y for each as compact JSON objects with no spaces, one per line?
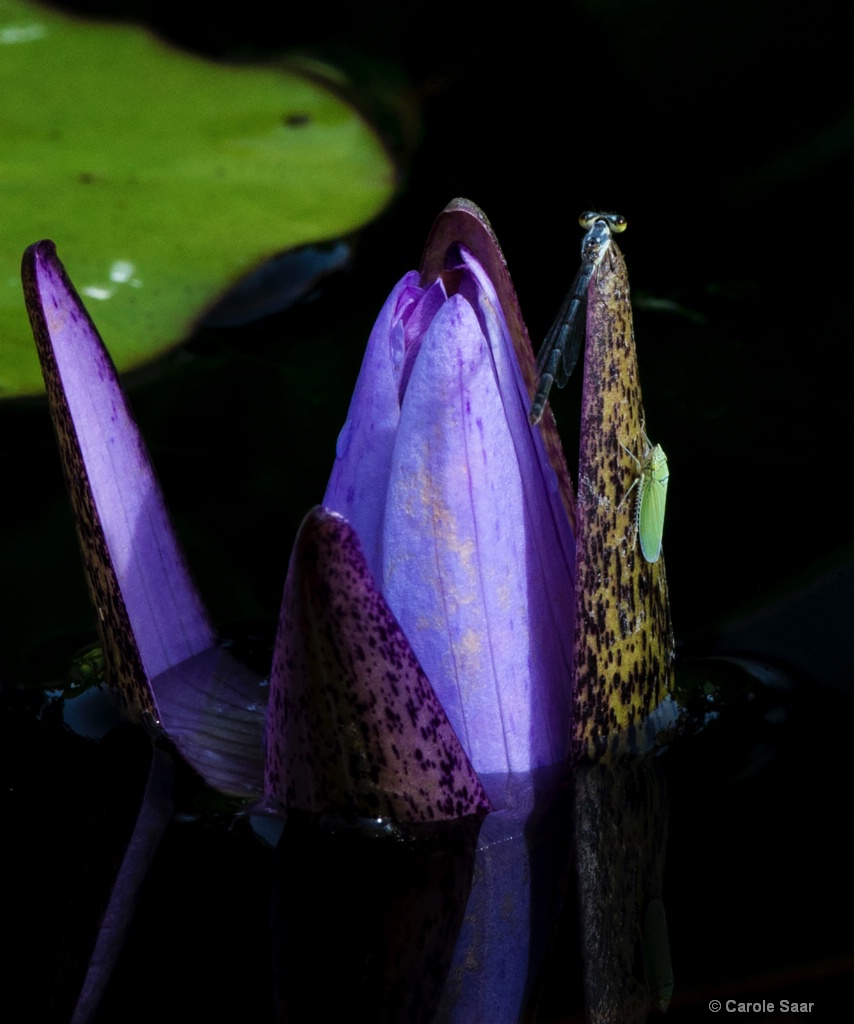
{"x":623,"y":632}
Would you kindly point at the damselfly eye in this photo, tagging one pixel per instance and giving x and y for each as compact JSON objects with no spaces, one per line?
{"x":616,"y":221}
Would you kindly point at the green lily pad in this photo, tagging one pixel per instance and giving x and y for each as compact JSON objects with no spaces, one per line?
{"x":161,"y":176}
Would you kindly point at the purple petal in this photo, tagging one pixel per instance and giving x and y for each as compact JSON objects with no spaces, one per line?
{"x":213,"y":708}
{"x":464,"y":226}
{"x":359,"y":478}
{"x":468,"y":567}
{"x":152,"y":622}
{"x":353,"y":724}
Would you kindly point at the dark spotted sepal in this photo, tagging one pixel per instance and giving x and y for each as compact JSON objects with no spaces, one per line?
{"x":354,"y":726}
{"x":624,"y":646}
{"x":159,"y":647}
{"x":623,"y":705}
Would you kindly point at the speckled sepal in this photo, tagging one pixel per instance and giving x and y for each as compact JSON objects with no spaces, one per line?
{"x":153,"y":626}
{"x":134,"y":565}
{"x":623,"y":634}
{"x":354,"y":725}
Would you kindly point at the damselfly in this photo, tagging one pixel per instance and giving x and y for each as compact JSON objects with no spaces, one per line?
{"x":559,"y":353}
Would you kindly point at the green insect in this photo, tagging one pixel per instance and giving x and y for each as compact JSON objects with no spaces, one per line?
{"x":651,"y":482}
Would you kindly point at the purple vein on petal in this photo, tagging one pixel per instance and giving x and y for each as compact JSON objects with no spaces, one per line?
{"x":354,"y":725}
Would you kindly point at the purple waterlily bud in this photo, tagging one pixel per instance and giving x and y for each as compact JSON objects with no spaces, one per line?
{"x":430,"y":619}
{"x":458,"y":507}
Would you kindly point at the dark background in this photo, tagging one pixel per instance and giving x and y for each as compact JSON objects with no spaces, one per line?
{"x":725,"y":134}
